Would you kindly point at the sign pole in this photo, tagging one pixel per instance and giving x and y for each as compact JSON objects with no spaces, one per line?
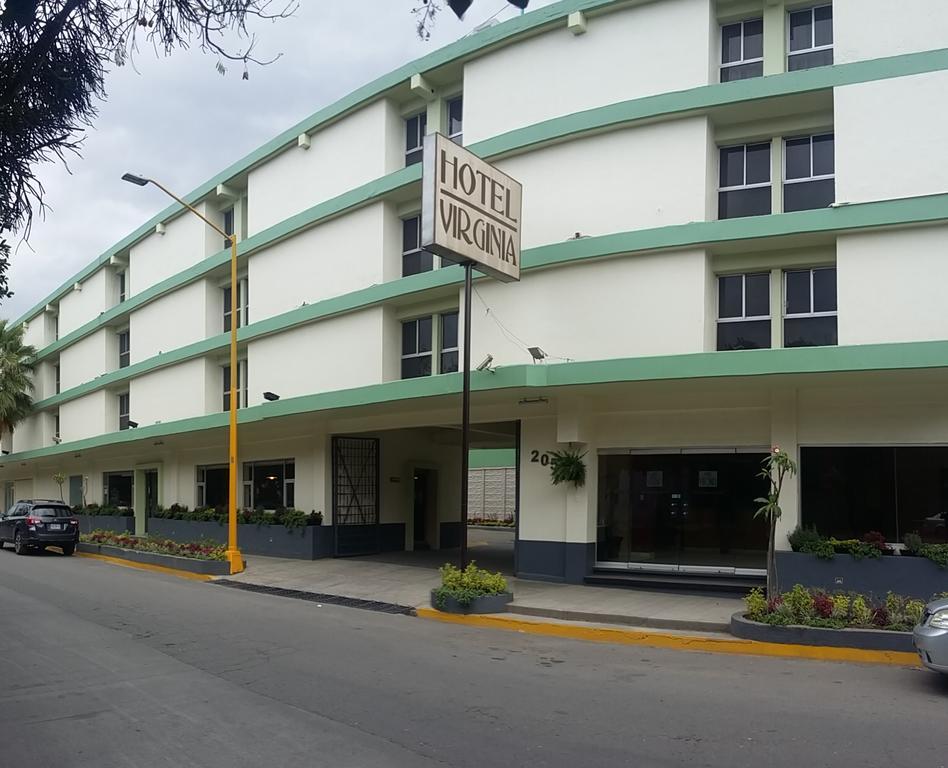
{"x":466,"y":409}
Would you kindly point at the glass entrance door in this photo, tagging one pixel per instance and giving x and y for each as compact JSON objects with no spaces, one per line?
{"x":681,"y":511}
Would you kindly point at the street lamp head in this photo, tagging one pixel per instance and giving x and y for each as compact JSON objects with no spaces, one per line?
{"x":133,"y":179}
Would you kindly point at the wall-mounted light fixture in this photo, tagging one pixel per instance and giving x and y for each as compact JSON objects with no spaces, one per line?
{"x":132,"y":424}
{"x":271,"y":396}
{"x":537,"y":354}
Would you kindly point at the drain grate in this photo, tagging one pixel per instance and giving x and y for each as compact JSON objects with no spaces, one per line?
{"x":316,"y":597}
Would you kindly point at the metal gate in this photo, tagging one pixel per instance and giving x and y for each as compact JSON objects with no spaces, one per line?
{"x":355,"y":495}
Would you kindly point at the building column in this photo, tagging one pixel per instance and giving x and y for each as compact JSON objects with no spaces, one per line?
{"x":776,"y":308}
{"x":575,"y":429}
{"x":775,"y":36}
{"x":783,"y":433}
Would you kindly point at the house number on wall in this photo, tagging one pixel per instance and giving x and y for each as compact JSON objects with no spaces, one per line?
{"x":540,"y":458}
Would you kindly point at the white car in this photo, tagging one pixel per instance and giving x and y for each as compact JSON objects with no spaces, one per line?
{"x":931,"y":636}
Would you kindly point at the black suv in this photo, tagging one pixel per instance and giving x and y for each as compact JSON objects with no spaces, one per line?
{"x":39,"y":523}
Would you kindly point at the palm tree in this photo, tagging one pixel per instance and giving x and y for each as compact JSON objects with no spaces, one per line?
{"x":16,"y":384}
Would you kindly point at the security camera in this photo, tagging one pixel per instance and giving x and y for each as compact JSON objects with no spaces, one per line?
{"x":485,"y":363}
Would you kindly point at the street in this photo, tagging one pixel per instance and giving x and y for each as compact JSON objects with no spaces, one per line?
{"x":107,"y":666}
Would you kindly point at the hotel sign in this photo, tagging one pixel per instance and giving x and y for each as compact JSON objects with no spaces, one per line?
{"x":470,"y":211}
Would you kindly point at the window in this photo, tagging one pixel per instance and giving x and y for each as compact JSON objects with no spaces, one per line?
{"x":56,"y":426}
{"x":847,"y":491}
{"x":449,"y":343}
{"x":227,"y":224}
{"x":123,"y":410}
{"x":414,"y":260}
{"x":212,"y":485}
{"x":744,"y":311}
{"x":56,"y":376}
{"x":76,"y":490}
{"x":270,"y":484}
{"x":416,"y":348}
{"x":456,"y":120}
{"x":742,"y":50}
{"x":241,"y":385}
{"x":55,"y":327}
{"x":124,"y":344}
{"x":809,"y":168}
{"x":810,"y":307}
{"x":415,"y":128}
{"x":117,"y":489}
{"x":243,"y":304}
{"x":420,"y":348}
{"x":810,"y":38}
{"x":744,"y":181}
{"x":122,"y":286}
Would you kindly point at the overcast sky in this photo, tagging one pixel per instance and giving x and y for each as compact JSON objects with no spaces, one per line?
{"x":177,"y":119}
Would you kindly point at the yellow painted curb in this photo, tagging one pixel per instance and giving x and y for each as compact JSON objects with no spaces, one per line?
{"x":675,"y":642}
{"x":147,"y":567}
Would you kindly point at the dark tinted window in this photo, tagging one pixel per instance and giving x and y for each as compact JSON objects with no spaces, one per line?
{"x":754,"y":334}
{"x":823,"y":25}
{"x":810,"y":59}
{"x":809,"y":195}
{"x":730,"y":296}
{"x":737,"y":203}
{"x":801,"y":30}
{"x":798,"y":158}
{"x":753,"y":39}
{"x":51,"y":512}
{"x":824,"y":290}
{"x":824,"y":151}
{"x":798,"y":292}
{"x":757,"y":295}
{"x":742,"y":72}
{"x":758,"y":163}
{"x":810,"y":331}
{"x":410,"y":234}
{"x":732,"y":166}
{"x":731,"y":43}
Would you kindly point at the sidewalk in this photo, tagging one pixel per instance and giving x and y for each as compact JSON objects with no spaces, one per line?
{"x":410,"y":585}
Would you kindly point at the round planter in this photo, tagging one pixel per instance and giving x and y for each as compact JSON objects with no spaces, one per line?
{"x":864,"y":639}
{"x":483,"y":604}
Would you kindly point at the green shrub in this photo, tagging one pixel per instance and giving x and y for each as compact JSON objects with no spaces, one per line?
{"x":464,"y":586}
{"x":937,"y":553}
{"x":799,"y":602}
{"x":756,"y":604}
{"x":912,"y":542}
{"x":804,"y":539}
{"x":860,"y":611}
{"x":841,"y":606}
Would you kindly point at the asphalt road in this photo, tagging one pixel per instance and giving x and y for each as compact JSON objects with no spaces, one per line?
{"x":106,"y":666}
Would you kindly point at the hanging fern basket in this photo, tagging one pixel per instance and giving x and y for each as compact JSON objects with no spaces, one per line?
{"x":568,"y":467}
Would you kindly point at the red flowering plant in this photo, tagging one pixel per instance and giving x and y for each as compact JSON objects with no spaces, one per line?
{"x":199,"y":550}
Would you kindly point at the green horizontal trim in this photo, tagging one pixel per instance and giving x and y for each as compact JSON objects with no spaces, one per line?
{"x":521,"y":139}
{"x":914,"y":210}
{"x":701,"y":365}
{"x":705,"y":97}
{"x":486,"y":458}
{"x":466,"y":47}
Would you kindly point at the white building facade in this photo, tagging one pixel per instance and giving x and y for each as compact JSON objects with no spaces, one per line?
{"x":735,"y":228}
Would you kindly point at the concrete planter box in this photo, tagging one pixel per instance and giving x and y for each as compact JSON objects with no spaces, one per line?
{"x":483,"y":604}
{"x":864,"y":639}
{"x":307,"y":543}
{"x":909,"y":576}
{"x":89,"y":523}
{"x":209,"y":567}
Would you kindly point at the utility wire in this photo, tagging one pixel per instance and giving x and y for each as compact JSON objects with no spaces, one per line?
{"x":511,"y":336}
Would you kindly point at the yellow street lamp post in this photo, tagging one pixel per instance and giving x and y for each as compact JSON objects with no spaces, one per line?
{"x":233,"y":553}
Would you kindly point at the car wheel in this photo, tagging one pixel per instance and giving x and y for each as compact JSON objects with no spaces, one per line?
{"x":18,"y":546}
{"x":68,"y":549}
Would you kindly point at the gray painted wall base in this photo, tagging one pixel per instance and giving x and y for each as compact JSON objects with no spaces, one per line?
{"x":909,"y":576}
{"x":115,"y":523}
{"x":208,"y":567}
{"x":560,"y":561}
{"x":310,"y":542}
{"x":482,"y":604}
{"x":863,"y":639}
